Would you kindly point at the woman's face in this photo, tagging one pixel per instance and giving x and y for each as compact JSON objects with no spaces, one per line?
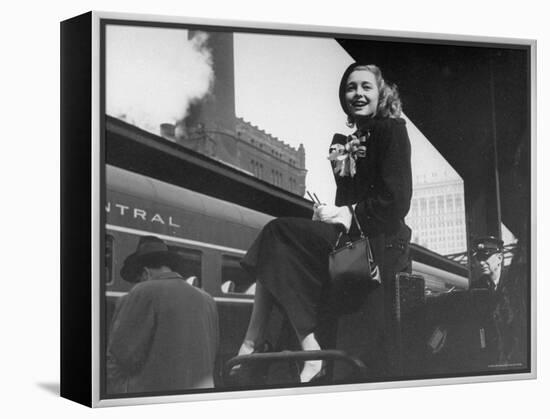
{"x":361,"y":94}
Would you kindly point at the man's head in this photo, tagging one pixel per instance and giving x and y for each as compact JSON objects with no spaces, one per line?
{"x":152,"y":255}
{"x":487,"y":253}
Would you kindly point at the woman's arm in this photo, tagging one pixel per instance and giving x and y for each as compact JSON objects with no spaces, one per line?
{"x":389,"y":195}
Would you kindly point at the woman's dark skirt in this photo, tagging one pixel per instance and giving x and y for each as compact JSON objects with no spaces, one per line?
{"x":290,"y":259}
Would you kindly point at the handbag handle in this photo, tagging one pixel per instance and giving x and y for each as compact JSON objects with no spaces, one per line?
{"x":356,"y":222}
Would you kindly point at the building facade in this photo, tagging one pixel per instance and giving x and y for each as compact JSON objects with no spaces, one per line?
{"x":437,"y":215}
{"x":270,"y":159}
{"x":247,"y":148}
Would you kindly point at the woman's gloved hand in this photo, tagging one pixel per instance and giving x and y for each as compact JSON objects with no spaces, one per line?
{"x":332,"y":214}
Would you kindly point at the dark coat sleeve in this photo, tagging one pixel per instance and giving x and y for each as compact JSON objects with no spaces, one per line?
{"x":390,"y":192}
{"x":132,"y":331}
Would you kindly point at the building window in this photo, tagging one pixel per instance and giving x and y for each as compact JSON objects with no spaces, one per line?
{"x":276,"y":177}
{"x":449,"y":203}
{"x":254,"y":167}
{"x":257,"y":169}
{"x":293,"y":184}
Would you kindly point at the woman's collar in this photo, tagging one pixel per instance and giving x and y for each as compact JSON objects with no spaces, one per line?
{"x":365,"y":126}
{"x":367,"y":123}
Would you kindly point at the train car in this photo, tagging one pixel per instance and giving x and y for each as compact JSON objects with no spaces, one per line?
{"x":212,"y":235}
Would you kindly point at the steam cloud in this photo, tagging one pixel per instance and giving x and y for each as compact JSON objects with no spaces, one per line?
{"x":154,"y":74}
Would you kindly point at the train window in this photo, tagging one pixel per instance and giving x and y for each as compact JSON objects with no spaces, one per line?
{"x":109,"y":277}
{"x":192,"y":263}
{"x":234,"y":278}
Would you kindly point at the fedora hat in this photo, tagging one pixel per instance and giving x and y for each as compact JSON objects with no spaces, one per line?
{"x":150,"y":251}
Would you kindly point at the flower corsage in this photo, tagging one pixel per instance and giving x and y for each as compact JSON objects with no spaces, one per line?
{"x":344,"y":156}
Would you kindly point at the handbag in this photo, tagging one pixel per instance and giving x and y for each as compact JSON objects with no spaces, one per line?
{"x":352,"y":265}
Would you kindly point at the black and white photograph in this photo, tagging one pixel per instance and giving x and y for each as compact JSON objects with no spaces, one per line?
{"x":308,"y":209}
{"x":275,"y":209}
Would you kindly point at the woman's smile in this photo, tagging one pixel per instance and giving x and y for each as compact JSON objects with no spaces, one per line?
{"x":359,"y":104}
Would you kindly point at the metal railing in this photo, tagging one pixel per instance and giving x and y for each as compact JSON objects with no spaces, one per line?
{"x":358,"y":369}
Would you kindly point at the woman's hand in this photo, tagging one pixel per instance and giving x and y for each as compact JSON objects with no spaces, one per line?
{"x":331,"y":214}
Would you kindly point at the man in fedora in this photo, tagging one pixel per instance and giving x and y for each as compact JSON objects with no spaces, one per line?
{"x":164,"y":334}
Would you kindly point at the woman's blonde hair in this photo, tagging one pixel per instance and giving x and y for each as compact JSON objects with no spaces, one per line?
{"x":389,"y":102}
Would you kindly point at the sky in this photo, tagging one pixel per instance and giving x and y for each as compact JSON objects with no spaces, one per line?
{"x":152,"y":74}
{"x":288,"y":86}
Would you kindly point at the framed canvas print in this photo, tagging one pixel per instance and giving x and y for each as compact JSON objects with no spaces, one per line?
{"x":257,"y":209}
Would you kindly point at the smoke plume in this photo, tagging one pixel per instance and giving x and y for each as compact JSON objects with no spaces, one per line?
{"x":154,"y":74}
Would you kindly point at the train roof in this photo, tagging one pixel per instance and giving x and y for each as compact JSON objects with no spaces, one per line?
{"x":139,"y":151}
{"x":162,"y":193}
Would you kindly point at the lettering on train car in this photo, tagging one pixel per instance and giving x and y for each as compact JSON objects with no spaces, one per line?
{"x":141,"y":214}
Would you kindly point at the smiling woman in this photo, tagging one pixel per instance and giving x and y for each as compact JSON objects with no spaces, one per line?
{"x":289,"y":259}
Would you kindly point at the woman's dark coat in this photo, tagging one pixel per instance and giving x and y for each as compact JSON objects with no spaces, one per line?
{"x":382,"y":190}
{"x":382,"y":186}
